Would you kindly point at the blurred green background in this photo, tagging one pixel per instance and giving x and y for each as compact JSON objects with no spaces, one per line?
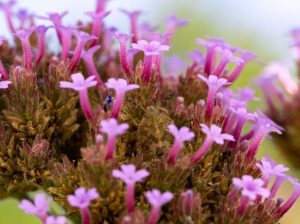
{"x":261,"y":26}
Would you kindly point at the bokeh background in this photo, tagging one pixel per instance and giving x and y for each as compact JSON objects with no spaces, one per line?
{"x":259,"y":25}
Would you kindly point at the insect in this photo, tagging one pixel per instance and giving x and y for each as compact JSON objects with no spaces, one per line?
{"x":108,"y":103}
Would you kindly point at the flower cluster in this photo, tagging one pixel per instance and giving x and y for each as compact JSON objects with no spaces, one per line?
{"x":133,"y":143}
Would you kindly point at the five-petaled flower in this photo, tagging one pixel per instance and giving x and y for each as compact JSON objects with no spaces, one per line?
{"x":39,"y":207}
{"x":130,"y":176}
{"x":112,"y":128}
{"x":121,"y":87}
{"x":180,"y":136}
{"x":157,"y":200}
{"x":213,"y":134}
{"x":80,"y":84}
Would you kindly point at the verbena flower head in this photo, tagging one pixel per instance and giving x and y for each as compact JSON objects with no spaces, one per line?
{"x":181,"y":135}
{"x":215,"y":133}
{"x":214,"y":82}
{"x":79,"y":82}
{"x":39,"y":207}
{"x":120,"y":85}
{"x":112,"y":127}
{"x":158,"y":199}
{"x":129,"y":174}
{"x":56,"y":220}
{"x":82,"y":197}
{"x":150,"y":48}
{"x":269,"y":169}
{"x":250,"y":187}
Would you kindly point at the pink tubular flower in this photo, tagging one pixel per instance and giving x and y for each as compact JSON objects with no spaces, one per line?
{"x":24,"y":36}
{"x":130,"y":176}
{"x":66,"y":37}
{"x":82,"y":199}
{"x":180,"y":136}
{"x":39,"y":207}
{"x":112,"y":129}
{"x":214,"y":85}
{"x":82,"y":38}
{"x":100,"y":5}
{"x":292,"y":199}
{"x":87,"y":57}
{"x":213,"y":134}
{"x":150,"y":49}
{"x":270,"y":169}
{"x":80,"y":84}
{"x":250,"y":189}
{"x":157,"y":200}
{"x":7,"y":9}
{"x":56,"y":19}
{"x":123,"y":38}
{"x":97,"y":18}
{"x":121,"y":87}
{"x":173,"y":22}
{"x":56,"y":220}
{"x":40,"y":30}
{"x":133,"y":16}
{"x":263,"y":127}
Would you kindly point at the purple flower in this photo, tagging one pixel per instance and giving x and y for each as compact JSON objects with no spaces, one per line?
{"x":24,"y":36}
{"x":133,"y":17}
{"x":130,"y":176}
{"x":112,"y":128}
{"x":41,"y":31}
{"x":213,"y":134}
{"x":123,"y":38}
{"x":56,"y":220}
{"x":175,"y":65}
{"x":157,"y":200}
{"x":150,"y":48}
{"x":173,"y":22}
{"x":180,"y":136}
{"x":39,"y":207}
{"x":4,"y":84}
{"x":80,"y":84}
{"x":87,"y":57}
{"x":269,"y":170}
{"x":214,"y":85}
{"x":121,"y":87}
{"x":82,"y":197}
{"x":251,"y":188}
{"x":8,"y":11}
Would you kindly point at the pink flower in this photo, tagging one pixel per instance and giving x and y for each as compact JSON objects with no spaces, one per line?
{"x":130,"y":176}
{"x":133,"y":18}
{"x":251,"y":188}
{"x":8,"y":11}
{"x":39,"y":207}
{"x":56,"y":220}
{"x":82,"y":199}
{"x":123,"y":38}
{"x":157,"y":200}
{"x":112,"y":129}
{"x":213,"y":134}
{"x":4,"y":84}
{"x":214,"y":85}
{"x":87,"y":57}
{"x":173,"y":22}
{"x":80,"y":84}
{"x":150,"y":48}
{"x":41,"y":31}
{"x":180,"y":136}
{"x":121,"y":87}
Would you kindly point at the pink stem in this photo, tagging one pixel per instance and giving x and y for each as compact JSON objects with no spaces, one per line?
{"x":3,"y":72}
{"x":133,"y":25}
{"x":255,"y":142}
{"x":9,"y":17}
{"x":27,"y":53}
{"x":123,"y":58}
{"x":154,"y":215}
{"x":117,"y":106}
{"x":276,"y":186}
{"x":289,"y":203}
{"x":210,"y":102}
{"x":236,"y":72}
{"x":130,"y":198}
{"x":111,"y":147}
{"x":66,"y":42}
{"x":76,"y":57}
{"x":41,"y":48}
{"x":85,"y":216}
{"x":206,"y":145}
{"x":147,"y":68}
{"x":220,"y":67}
{"x":92,"y":68}
{"x":86,"y":106}
{"x":100,"y":5}
{"x":209,"y":60}
{"x":174,"y":152}
{"x":243,"y":205}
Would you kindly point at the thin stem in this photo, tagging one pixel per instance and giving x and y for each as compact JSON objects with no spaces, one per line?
{"x":154,"y":215}
{"x":210,"y":102}
{"x":130,"y":198}
{"x":147,"y":68}
{"x":209,"y":60}
{"x":41,"y":48}
{"x":86,"y":106}
{"x":117,"y":106}
{"x":254,"y":144}
{"x":174,"y":152}
{"x":27,"y":53}
{"x":243,"y":205}
{"x":289,"y":203}
{"x":111,"y":147}
{"x":123,"y":58}
{"x":206,"y":145}
{"x":85,"y":216}
{"x":77,"y":54}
